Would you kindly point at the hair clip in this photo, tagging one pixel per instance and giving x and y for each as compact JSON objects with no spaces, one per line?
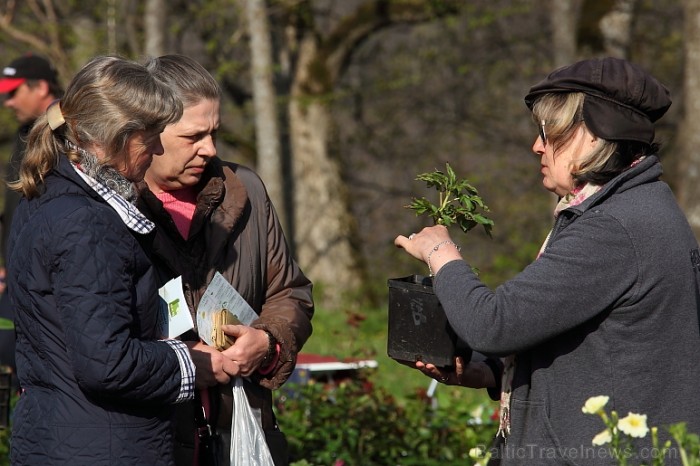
{"x":54,"y":115}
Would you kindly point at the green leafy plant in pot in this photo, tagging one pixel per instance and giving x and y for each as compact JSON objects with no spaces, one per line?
{"x":418,"y":327}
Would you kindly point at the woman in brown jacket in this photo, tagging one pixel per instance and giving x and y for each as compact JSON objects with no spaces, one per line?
{"x":214,"y":216}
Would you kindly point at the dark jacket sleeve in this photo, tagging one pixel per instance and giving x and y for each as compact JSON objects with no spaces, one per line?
{"x":593,"y":257}
{"x":97,"y":286}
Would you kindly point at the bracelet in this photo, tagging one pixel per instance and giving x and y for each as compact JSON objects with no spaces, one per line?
{"x":271,"y":350}
{"x":435,"y":248}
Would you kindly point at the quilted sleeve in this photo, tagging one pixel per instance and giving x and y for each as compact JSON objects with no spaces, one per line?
{"x":106,"y":302}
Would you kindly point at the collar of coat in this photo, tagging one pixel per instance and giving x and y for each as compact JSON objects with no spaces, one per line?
{"x":129,"y":214}
{"x":220,"y":192}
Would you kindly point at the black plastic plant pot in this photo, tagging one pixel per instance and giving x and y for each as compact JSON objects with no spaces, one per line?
{"x":418,"y":327}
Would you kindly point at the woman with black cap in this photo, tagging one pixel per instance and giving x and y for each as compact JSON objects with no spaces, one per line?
{"x":610,"y":306}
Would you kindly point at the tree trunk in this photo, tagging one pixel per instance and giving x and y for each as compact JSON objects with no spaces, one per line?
{"x":85,"y":45}
{"x":563,"y":19}
{"x":324,"y":228}
{"x":269,"y":163}
{"x":616,"y":28}
{"x":155,"y":21}
{"x":688,"y":135}
{"x":323,"y":224}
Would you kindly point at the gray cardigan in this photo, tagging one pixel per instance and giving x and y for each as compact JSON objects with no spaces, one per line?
{"x":610,"y":308}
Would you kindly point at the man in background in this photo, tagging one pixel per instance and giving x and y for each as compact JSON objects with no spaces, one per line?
{"x":28,"y":84}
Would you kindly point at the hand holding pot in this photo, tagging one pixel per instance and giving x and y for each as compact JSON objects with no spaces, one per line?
{"x":432,"y":245}
{"x":472,"y":374}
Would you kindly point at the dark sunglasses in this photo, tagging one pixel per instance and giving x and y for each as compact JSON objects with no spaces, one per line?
{"x":543,"y":134}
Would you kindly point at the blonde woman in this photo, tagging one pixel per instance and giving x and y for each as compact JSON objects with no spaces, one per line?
{"x":97,"y":384}
{"x":610,"y":306}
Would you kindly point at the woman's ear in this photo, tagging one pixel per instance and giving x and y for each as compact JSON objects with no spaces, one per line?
{"x":591,"y":139}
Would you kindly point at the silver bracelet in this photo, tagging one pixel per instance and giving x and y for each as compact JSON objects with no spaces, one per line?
{"x":436,"y":247}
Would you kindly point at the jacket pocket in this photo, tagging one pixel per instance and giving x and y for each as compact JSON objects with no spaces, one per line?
{"x":532,"y":439}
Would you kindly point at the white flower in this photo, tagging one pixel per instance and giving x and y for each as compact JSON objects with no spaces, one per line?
{"x":475,"y":415}
{"x":476,"y":452}
{"x":634,"y":425}
{"x":594,"y":404}
{"x":477,"y":412}
{"x":602,"y":438}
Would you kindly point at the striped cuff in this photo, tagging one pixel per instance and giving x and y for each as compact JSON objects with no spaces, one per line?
{"x":186,"y":370}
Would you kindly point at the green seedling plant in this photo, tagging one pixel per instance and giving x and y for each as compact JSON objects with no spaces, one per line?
{"x":458,"y":203}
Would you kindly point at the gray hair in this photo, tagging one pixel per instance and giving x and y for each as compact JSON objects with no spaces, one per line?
{"x":186,"y":77}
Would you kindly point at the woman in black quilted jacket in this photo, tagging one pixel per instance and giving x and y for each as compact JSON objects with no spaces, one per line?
{"x":97,"y":382}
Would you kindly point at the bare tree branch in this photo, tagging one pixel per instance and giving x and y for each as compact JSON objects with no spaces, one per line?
{"x":51,"y":46}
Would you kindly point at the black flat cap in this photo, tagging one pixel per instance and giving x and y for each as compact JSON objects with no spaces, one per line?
{"x":622,"y":100}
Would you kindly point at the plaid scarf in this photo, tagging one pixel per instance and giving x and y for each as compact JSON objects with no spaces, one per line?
{"x":129,"y":214}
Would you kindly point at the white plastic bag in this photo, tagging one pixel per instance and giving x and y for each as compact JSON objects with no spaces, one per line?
{"x":248,"y":446}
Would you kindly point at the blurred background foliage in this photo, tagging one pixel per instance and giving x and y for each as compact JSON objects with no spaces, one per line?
{"x":418,"y":84}
{"x":369,"y":93}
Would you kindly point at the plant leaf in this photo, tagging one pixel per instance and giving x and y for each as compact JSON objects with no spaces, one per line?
{"x":459,"y":203}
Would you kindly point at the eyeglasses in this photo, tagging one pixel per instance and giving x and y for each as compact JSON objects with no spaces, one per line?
{"x":543,"y":134}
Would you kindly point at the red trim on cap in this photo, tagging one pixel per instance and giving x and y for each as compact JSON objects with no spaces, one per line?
{"x":10,"y":84}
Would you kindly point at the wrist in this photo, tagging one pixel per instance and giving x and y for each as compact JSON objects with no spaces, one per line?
{"x":435,"y":249}
{"x":271,"y":353}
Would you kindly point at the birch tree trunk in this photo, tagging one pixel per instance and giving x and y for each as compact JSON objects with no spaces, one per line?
{"x":155,"y":21}
{"x":269,"y":161}
{"x":616,"y":28}
{"x":563,"y":19}
{"x":688,"y":135}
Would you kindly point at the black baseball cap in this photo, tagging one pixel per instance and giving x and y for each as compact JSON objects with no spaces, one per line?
{"x":622,"y":100}
{"x":28,"y":66}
